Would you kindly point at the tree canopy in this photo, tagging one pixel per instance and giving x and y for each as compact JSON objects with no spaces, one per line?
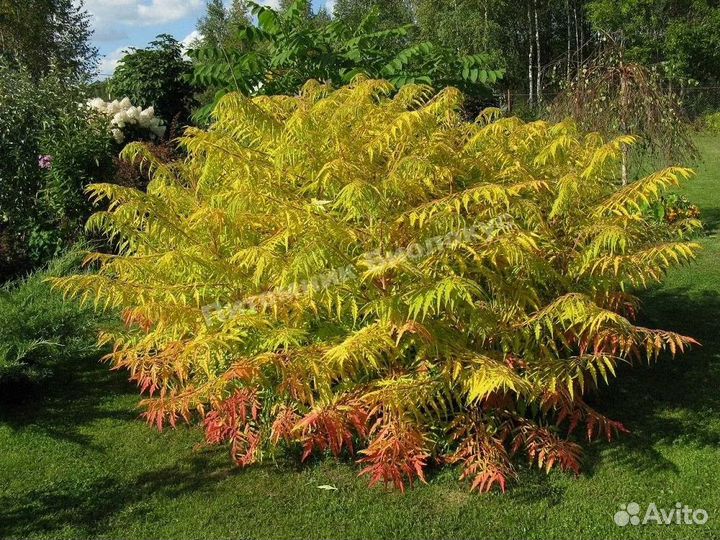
{"x":541,"y":45}
{"x":220,"y":25}
{"x":156,"y":76}
{"x":40,"y":34}
{"x":286,"y":48}
{"x":391,"y":12}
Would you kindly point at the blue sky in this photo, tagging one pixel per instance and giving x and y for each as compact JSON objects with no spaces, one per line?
{"x":119,"y":24}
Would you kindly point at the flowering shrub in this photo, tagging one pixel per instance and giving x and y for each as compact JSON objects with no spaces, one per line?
{"x":45,"y":162}
{"x":51,"y":150}
{"x":124,"y":117}
{"x":392,"y":280}
{"x":79,"y":151}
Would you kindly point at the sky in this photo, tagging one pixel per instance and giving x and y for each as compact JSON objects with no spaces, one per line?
{"x":120,"y":24}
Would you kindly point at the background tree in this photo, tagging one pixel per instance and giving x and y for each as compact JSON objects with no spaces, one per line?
{"x":542,"y":44}
{"x":468,"y":26}
{"x":156,"y":76}
{"x":213,"y":25}
{"x":220,"y":25}
{"x":682,"y":39}
{"x":391,"y":13}
{"x":322,"y":17}
{"x":286,"y":48}
{"x":538,"y":43}
{"x":614,"y":96}
{"x":305,"y":9}
{"x":40,"y":34}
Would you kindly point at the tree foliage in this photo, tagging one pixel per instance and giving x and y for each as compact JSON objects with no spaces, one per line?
{"x":42,"y":35}
{"x":43,"y":208}
{"x":353,"y":272}
{"x":391,"y":13}
{"x":681,"y":37}
{"x":220,"y":25}
{"x":286,"y":48}
{"x":614,"y":96}
{"x":468,"y":26}
{"x":540,"y":45}
{"x":156,"y":76}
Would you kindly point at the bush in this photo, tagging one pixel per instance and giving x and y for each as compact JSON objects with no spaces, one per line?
{"x":133,"y":174}
{"x":711,"y":123}
{"x":52,"y":148}
{"x":673,"y":207}
{"x":38,"y":329}
{"x":156,"y":76}
{"x":341,"y":271}
{"x":20,"y":123}
{"x":81,"y":152}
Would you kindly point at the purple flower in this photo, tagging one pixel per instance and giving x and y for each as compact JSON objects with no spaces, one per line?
{"x":45,"y":162}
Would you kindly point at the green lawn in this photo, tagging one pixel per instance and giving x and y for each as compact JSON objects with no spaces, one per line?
{"x":78,"y":463}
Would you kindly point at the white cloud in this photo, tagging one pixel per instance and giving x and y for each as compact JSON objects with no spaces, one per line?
{"x":330,"y":6}
{"x":163,"y":11}
{"x":189,"y":40}
{"x":107,"y":13}
{"x":275,"y":4}
{"x":110,"y":61}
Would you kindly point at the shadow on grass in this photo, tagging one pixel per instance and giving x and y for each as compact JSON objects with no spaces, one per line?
{"x":87,"y":507}
{"x":673,"y":401}
{"x":77,"y":393}
{"x":711,"y":220}
{"x":670,"y":402}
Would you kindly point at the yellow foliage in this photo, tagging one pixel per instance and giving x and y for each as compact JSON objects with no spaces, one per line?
{"x":364,"y":251}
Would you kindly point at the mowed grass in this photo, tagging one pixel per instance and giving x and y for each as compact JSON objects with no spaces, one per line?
{"x":76,"y":462}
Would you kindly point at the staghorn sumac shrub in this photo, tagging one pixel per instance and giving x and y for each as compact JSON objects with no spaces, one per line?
{"x":357,"y":273}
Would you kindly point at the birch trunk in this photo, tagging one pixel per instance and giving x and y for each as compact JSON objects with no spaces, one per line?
{"x":623,"y":118}
{"x":569,"y":40}
{"x":577,"y":34}
{"x":582,"y":35}
{"x":531,"y":58}
{"x":486,"y":37}
{"x":538,"y":73}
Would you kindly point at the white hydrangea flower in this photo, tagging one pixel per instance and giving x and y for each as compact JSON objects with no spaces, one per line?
{"x":122,"y":113}
{"x":97,"y":104}
{"x":119,"y":119}
{"x":118,"y":135}
{"x":133,"y":113}
{"x":113,"y":107}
